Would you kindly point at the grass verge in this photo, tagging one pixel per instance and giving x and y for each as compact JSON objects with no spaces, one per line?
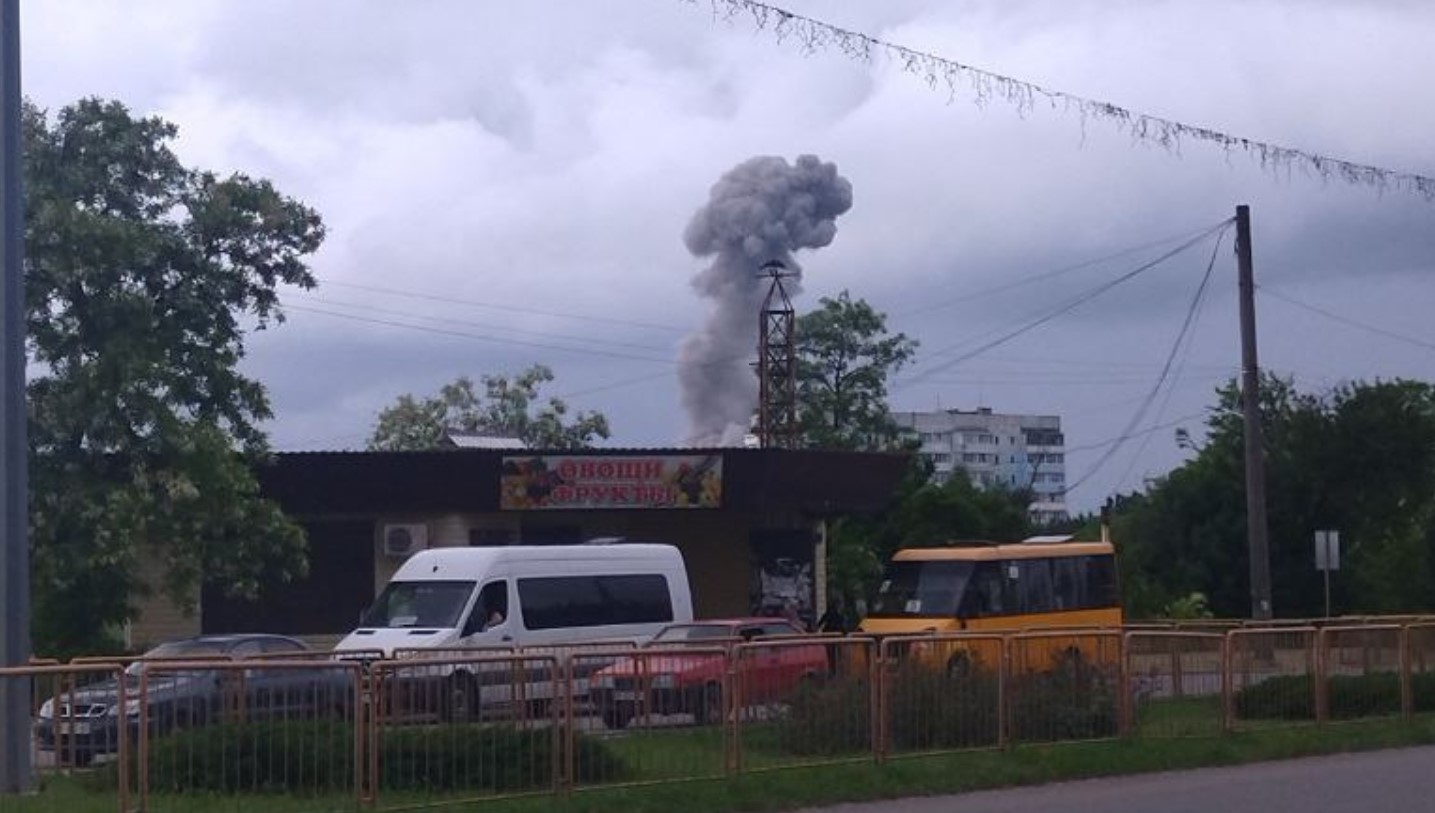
{"x":790,"y":788}
{"x":793,"y":788}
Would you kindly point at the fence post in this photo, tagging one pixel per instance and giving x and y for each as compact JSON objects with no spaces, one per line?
{"x":1407,"y":693}
{"x":1004,"y":704}
{"x":1228,"y":682}
{"x":878,"y":705}
{"x":876,"y":697}
{"x":1321,"y":657}
{"x":570,"y":739}
{"x":732,"y":689}
{"x":122,"y":757}
{"x":1125,"y":711}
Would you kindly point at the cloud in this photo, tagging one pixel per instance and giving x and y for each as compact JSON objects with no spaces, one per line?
{"x":548,"y":155}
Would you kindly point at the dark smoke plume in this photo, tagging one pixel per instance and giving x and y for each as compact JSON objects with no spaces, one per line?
{"x":761,"y":210}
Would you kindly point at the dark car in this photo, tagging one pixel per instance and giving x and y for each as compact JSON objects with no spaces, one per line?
{"x":85,"y":722}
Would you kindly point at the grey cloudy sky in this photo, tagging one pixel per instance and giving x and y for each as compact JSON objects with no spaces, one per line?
{"x":500,"y":168}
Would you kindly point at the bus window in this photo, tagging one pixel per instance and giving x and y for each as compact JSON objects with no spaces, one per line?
{"x":1033,"y":586}
{"x":1068,"y":577}
{"x":985,"y":594}
{"x":1101,"y":582}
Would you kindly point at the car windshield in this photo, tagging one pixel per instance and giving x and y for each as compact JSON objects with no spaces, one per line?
{"x":695,"y":632}
{"x":922,"y":589}
{"x":420,"y":604}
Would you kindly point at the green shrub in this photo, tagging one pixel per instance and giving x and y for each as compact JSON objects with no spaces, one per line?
{"x":929,"y":709}
{"x":318,"y":756}
{"x":1076,"y":700}
{"x":828,"y":719}
{"x":1292,"y":697}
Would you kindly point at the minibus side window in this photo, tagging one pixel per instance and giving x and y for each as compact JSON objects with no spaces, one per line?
{"x":490,"y":610}
{"x":1034,"y":586}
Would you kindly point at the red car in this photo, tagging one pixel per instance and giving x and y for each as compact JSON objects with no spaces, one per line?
{"x":665,"y":680}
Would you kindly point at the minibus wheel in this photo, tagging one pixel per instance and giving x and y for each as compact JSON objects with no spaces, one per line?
{"x":460,"y":697}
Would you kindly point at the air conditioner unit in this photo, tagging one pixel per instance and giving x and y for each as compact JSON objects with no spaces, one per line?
{"x":401,"y":541}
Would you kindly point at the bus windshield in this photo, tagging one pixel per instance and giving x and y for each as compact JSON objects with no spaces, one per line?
{"x":922,"y":589}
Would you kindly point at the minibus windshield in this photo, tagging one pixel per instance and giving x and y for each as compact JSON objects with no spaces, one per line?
{"x":420,"y":604}
{"x":922,"y":589}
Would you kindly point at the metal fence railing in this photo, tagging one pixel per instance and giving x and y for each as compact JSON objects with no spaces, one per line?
{"x":942,"y":693}
{"x":459,"y":729}
{"x":649,"y":715}
{"x":802,"y":701}
{"x":1361,"y":673}
{"x":344,"y":732}
{"x":1175,"y":683}
{"x":1272,"y":676}
{"x":236,"y":730}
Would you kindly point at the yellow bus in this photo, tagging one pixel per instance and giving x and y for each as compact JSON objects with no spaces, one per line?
{"x":1040,"y":583}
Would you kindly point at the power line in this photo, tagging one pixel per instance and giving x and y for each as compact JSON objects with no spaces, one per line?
{"x":1176,"y":376}
{"x":1122,"y":438}
{"x":467,"y":323}
{"x":473,"y":303}
{"x":1062,"y":309}
{"x":589,"y":351}
{"x":675,"y":363}
{"x":1140,"y":413}
{"x":1345,"y":320}
{"x":1052,"y":274}
{"x":815,"y":35}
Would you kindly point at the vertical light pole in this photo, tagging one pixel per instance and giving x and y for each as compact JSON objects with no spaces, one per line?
{"x":15,"y":556}
{"x":1260,"y":553}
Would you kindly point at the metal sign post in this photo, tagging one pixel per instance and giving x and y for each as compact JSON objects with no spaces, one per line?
{"x":1327,"y":558}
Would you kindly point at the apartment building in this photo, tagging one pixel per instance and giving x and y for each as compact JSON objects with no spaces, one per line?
{"x":1011,"y":451}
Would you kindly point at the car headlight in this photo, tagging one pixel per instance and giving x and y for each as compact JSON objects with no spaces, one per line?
{"x":666,"y":681}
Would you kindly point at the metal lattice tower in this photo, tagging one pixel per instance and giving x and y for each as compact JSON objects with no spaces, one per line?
{"x":777,"y":364}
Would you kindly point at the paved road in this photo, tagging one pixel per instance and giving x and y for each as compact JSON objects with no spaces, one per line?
{"x":1394,"y":781}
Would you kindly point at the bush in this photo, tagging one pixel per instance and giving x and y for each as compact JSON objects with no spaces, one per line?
{"x":1292,"y":697}
{"x":828,"y":719}
{"x":1077,"y":700}
{"x":929,"y":709}
{"x":318,"y":757}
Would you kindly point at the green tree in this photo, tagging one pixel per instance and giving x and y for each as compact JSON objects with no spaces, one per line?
{"x":141,"y":277}
{"x":925,"y":514}
{"x":844,"y":357}
{"x":1360,"y":459}
{"x":506,"y":409}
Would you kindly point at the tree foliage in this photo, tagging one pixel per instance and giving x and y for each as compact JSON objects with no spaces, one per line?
{"x":924,"y":514}
{"x":1359,"y":459}
{"x":506,"y":409}
{"x":141,"y":278}
{"x":844,"y":358}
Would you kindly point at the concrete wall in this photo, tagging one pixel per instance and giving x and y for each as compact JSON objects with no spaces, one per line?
{"x":159,"y":619}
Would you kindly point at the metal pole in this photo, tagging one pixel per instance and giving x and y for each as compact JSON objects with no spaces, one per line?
{"x":15,"y":562}
{"x":1251,"y":406}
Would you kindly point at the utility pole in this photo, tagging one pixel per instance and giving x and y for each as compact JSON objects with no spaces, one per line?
{"x":1259,"y":544}
{"x":14,"y":522}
